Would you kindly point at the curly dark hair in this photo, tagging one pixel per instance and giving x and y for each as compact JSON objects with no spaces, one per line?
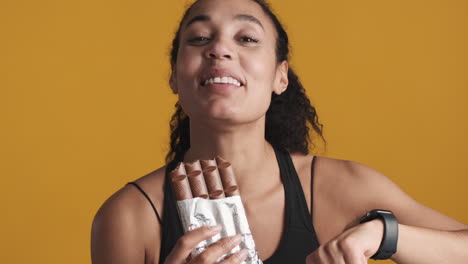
{"x":288,"y":113}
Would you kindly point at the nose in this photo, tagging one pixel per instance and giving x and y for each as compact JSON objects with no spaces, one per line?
{"x":219,"y":49}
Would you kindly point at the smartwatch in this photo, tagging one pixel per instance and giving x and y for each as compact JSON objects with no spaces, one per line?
{"x":388,"y":246}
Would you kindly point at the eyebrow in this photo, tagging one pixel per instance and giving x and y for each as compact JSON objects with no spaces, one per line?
{"x":240,"y":17}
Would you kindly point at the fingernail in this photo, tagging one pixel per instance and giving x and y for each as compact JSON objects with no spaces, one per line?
{"x":241,"y":255}
{"x":236,"y":239}
{"x":215,"y":228}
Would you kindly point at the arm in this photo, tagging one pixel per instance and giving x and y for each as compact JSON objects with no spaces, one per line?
{"x":425,"y":235}
{"x":117,"y":235}
{"x":424,"y":245}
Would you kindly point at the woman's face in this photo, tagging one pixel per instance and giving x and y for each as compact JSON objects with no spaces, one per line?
{"x":236,"y":40}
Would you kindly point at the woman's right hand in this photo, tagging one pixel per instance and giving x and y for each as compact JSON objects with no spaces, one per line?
{"x":190,"y":240}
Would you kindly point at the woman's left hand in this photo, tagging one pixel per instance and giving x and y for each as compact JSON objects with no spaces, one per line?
{"x":354,"y":246}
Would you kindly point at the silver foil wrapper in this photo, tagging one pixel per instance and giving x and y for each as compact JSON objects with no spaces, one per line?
{"x":229,"y":213}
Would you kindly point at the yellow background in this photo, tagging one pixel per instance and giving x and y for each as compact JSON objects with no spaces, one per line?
{"x":85,"y":104}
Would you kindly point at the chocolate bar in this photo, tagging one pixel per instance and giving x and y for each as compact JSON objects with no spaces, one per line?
{"x":207,"y":194}
{"x":213,"y":179}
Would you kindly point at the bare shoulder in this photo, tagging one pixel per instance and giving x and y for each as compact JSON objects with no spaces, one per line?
{"x":125,"y":228}
{"x":347,"y":187}
{"x":353,"y":188}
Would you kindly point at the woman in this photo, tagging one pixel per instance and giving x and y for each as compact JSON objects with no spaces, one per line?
{"x":243,"y":102}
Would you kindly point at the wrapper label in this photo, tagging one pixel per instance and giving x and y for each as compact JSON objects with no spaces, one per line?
{"x":229,"y":213}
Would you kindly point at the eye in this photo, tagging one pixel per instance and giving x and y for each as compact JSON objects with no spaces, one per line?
{"x":249,"y":39}
{"x":198,"y":39}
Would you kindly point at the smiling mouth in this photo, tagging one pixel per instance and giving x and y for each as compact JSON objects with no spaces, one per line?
{"x":222,"y":80}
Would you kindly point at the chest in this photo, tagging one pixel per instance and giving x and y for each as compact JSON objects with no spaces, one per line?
{"x":266,"y":220}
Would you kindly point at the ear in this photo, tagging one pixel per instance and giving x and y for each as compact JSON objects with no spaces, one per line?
{"x":173,"y":82}
{"x":281,"y":79}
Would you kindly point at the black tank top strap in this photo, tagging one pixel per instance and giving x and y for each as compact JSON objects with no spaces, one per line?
{"x":312,"y":174}
{"x":299,"y":238}
{"x":149,"y":200}
{"x":172,"y":228}
{"x":302,"y":216}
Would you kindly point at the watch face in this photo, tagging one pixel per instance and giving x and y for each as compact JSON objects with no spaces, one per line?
{"x":382,"y":212}
{"x":373,"y":214}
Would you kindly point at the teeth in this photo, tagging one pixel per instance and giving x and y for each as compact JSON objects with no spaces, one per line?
{"x":222,"y":80}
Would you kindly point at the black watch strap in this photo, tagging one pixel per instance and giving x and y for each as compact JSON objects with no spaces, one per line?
{"x":388,"y":246}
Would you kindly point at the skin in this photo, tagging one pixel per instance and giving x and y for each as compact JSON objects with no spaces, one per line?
{"x":231,"y":124}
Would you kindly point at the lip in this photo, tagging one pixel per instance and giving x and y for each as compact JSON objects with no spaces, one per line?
{"x":221,"y":88}
{"x":219,"y":72}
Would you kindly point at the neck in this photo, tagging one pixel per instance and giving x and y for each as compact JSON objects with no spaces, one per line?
{"x":243,"y":145}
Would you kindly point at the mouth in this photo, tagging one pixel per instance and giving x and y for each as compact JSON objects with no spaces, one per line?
{"x":229,"y":80}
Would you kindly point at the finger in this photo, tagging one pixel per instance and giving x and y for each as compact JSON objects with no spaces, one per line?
{"x":354,"y":257}
{"x":190,"y":240}
{"x":216,"y":250}
{"x":350,"y":253}
{"x":325,"y":255}
{"x":311,"y":258}
{"x":319,"y":256}
{"x":237,"y":257}
{"x":328,"y":254}
{"x":337,"y":254}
